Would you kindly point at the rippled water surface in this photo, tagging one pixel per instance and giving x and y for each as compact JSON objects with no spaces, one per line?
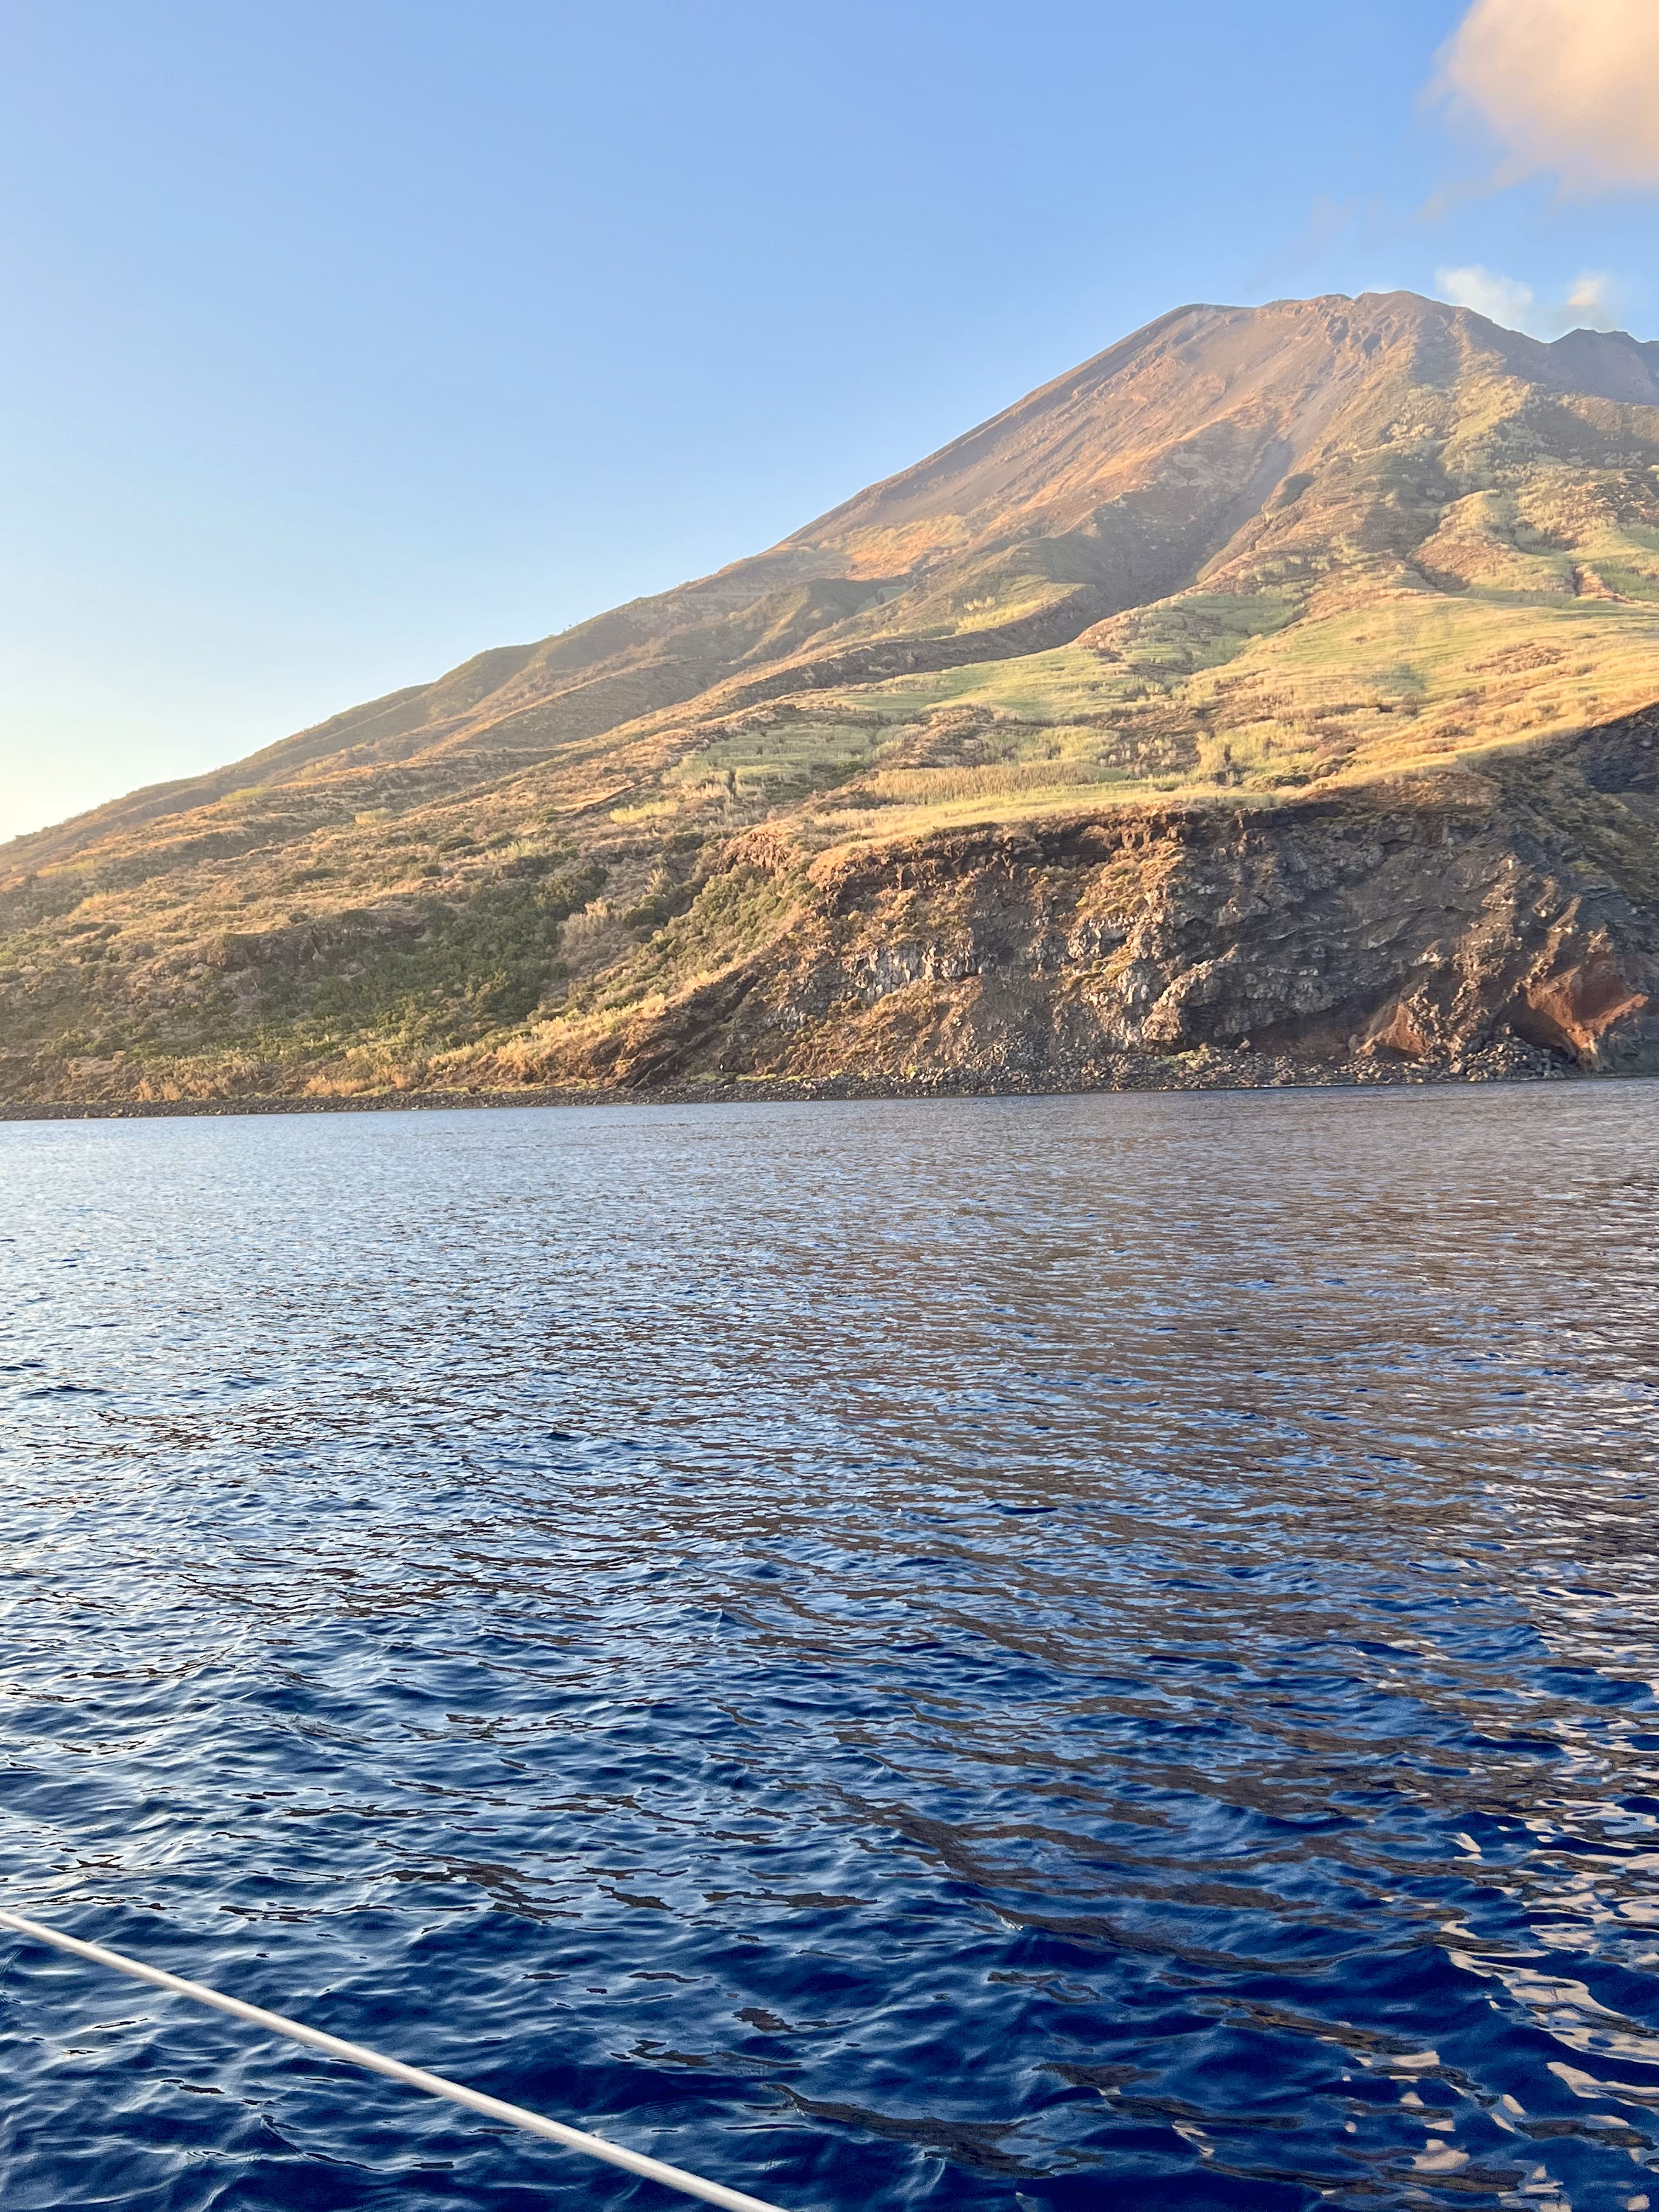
{"x":1062,"y":1653}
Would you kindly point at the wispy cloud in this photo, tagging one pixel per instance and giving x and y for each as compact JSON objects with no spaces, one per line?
{"x":1590,"y":303}
{"x":1503,"y":299}
{"x":1569,"y":87}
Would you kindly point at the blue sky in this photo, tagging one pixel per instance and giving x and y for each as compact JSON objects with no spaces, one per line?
{"x":343,"y":340}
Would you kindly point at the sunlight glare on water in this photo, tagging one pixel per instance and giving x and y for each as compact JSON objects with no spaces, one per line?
{"x":1047,"y":1653}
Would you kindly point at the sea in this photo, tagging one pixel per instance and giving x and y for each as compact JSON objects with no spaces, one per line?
{"x":1079,"y":1652}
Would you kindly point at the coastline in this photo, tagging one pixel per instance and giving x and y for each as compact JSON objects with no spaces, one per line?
{"x":1141,"y":1072}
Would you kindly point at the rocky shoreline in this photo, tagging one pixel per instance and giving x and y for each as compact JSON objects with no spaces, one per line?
{"x":1510,"y":1061}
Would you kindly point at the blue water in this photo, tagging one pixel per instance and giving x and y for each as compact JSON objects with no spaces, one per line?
{"x":1056,"y":1654}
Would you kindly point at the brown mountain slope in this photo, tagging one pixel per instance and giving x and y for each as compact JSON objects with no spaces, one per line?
{"x":1300,"y":570}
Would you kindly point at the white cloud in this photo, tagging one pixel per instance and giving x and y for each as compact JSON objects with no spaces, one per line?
{"x":1568,"y":86}
{"x":1500,"y":298}
{"x":1590,"y":303}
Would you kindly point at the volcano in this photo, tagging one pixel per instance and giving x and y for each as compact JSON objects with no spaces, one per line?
{"x":1273,"y":698}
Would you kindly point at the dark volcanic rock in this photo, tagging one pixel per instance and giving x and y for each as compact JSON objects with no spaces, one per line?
{"x":1425,"y":921}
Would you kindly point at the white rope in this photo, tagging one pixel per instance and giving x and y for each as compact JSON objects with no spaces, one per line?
{"x":414,"y":2077}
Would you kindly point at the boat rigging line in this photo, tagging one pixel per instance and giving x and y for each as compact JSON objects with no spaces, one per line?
{"x":413,"y":2077}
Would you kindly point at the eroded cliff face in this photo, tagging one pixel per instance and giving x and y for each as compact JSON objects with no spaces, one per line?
{"x":1503,"y":920}
{"x":1498,"y":919}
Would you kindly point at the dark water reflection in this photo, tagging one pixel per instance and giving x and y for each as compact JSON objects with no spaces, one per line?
{"x":1062,"y":1654}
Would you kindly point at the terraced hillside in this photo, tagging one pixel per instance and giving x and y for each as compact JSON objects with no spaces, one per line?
{"x":1270,"y":695}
